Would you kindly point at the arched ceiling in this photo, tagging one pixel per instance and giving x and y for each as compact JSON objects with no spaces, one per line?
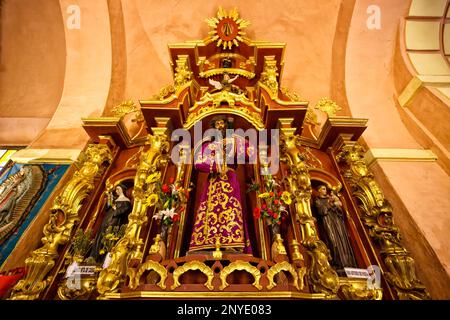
{"x":120,"y":53}
{"x":427,"y":41}
{"x":32,"y":65}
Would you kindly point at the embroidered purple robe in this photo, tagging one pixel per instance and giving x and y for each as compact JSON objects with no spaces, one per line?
{"x":220,"y":214}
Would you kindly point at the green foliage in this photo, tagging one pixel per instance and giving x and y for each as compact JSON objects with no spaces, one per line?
{"x":253,"y":187}
{"x":110,"y":237}
{"x":82,"y":242}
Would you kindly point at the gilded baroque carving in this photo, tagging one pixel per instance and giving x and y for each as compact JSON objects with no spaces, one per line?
{"x":87,"y":286}
{"x":270,"y":74}
{"x":182,"y":72}
{"x":311,"y":160}
{"x":356,"y":289}
{"x":301,"y":277}
{"x":164,"y":92}
{"x":282,"y":266}
{"x":240,"y":265}
{"x":328,"y":106}
{"x":129,"y":247}
{"x":230,"y":98}
{"x":291,"y":95}
{"x":193,"y":265}
{"x":134,"y":281}
{"x":323,"y":278}
{"x":311,"y":117}
{"x":63,"y":218}
{"x":127,"y":107}
{"x":124,"y":108}
{"x":151,"y":265}
{"x":224,"y":96}
{"x":296,"y":255}
{"x":376,"y":212}
{"x":227,"y":28}
{"x":220,"y":71}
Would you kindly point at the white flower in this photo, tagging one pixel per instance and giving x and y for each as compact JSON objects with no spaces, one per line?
{"x":158,"y":215}
{"x":174,"y":190}
{"x":169,"y":213}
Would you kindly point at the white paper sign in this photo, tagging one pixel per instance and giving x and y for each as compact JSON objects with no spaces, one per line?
{"x":357,"y":273}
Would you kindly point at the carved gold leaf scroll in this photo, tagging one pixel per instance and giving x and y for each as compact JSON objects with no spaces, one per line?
{"x":357,"y":289}
{"x":377,"y":216}
{"x":155,"y":266}
{"x":240,"y":265}
{"x":281,"y":266}
{"x":183,"y":72}
{"x":323,"y":278}
{"x":129,"y":247}
{"x":193,"y":265}
{"x":269,"y":75}
{"x":328,"y":106}
{"x":63,"y":217}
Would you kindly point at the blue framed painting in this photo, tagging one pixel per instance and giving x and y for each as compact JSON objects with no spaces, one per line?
{"x":24,"y":188}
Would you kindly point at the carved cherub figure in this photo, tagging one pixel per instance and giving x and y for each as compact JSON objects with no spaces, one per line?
{"x":225,"y":84}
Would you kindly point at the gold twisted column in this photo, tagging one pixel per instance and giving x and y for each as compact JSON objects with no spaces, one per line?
{"x":321,"y":275}
{"x":63,"y":217}
{"x":144,"y":194}
{"x":376,"y":214}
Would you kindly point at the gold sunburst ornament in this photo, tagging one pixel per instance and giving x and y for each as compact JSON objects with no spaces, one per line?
{"x":227,"y":28}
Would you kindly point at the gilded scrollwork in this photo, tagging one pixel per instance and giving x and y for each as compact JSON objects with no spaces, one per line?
{"x":301,"y":277}
{"x":133,"y":280}
{"x":252,"y":116}
{"x":291,"y":95}
{"x":182,"y":72}
{"x":151,"y":265}
{"x":311,"y":117}
{"x":282,"y":266}
{"x":124,"y":108}
{"x":63,"y":218}
{"x":87,"y":285}
{"x":193,"y":265}
{"x":240,"y":265}
{"x":328,"y":106}
{"x":164,"y":92}
{"x":376,"y":212}
{"x":129,"y":247}
{"x":270,"y":74}
{"x":296,"y":255}
{"x":224,"y":96}
{"x":321,"y":275}
{"x":357,"y":289}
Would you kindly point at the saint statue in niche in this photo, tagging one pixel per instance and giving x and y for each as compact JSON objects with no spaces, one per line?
{"x":331,"y":218}
{"x":118,"y":208}
{"x":220,"y":218}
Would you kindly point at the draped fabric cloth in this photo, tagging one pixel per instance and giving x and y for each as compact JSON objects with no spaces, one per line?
{"x":220,"y":215}
{"x":331,"y":218}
